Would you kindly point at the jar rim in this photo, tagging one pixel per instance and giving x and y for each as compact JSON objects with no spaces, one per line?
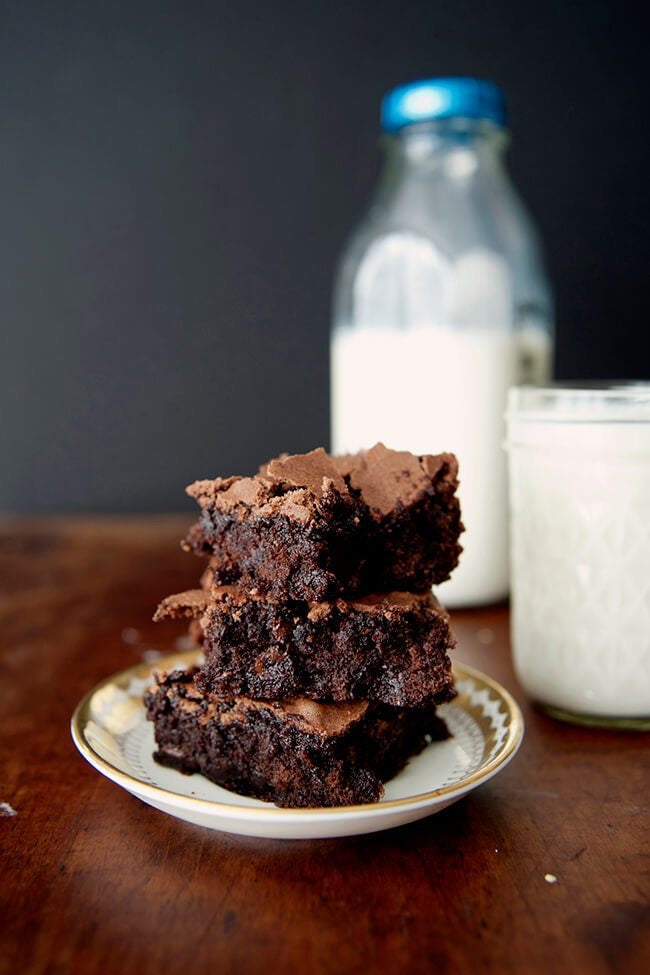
{"x":590,"y":401}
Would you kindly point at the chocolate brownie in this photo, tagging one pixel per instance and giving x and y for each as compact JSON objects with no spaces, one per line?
{"x":388,"y":647}
{"x":295,"y":753}
{"x":414,"y":516}
{"x":314,"y":528}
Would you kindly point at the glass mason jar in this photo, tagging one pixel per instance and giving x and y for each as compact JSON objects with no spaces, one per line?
{"x":441,"y":304}
{"x":580,"y":532}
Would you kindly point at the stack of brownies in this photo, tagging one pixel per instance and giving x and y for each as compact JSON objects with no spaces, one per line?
{"x":325,"y":651}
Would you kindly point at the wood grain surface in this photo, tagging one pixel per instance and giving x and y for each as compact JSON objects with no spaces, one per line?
{"x":94,"y":881}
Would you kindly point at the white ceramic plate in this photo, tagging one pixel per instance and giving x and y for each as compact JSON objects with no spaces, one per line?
{"x":110,"y":730}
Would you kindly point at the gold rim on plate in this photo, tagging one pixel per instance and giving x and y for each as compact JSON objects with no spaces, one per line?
{"x":514,"y":724}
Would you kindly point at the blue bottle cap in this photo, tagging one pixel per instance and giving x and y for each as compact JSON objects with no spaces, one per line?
{"x":421,"y":101}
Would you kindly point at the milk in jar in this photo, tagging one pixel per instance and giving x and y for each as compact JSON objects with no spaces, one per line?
{"x":580,"y":508}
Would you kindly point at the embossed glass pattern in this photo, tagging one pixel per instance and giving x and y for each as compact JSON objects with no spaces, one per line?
{"x":580,"y":546}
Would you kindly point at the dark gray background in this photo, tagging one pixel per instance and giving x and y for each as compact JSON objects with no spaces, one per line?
{"x":177,"y":180}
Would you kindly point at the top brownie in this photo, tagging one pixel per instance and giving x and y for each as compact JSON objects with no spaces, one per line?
{"x":314,"y":527}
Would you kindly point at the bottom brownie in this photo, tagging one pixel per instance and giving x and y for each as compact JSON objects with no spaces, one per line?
{"x":293,"y":753}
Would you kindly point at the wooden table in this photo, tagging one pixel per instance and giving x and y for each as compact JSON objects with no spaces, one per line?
{"x":94,"y":881}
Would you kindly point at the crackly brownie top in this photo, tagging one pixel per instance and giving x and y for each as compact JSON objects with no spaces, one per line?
{"x":315,"y":471}
{"x":189,"y":604}
{"x":387,"y":604}
{"x":324,"y":720}
{"x":382,"y":602}
{"x":195,"y":602}
{"x":385,"y":480}
{"x":291,"y":486}
{"x":389,"y":479}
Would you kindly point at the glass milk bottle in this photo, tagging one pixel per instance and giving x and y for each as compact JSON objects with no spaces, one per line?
{"x":441,"y":303}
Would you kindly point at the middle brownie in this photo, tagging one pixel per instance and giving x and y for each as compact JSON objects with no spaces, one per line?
{"x":389,"y":647}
